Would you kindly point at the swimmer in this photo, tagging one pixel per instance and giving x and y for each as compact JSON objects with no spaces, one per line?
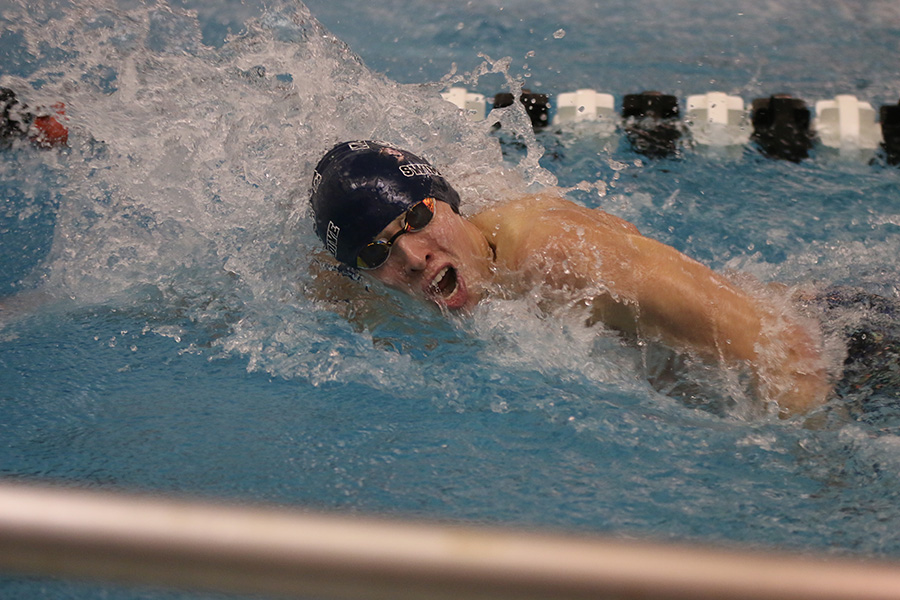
{"x":390,"y":214}
{"x":42,"y":127}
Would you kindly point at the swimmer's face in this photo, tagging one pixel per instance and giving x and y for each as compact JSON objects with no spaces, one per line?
{"x":448,"y":262}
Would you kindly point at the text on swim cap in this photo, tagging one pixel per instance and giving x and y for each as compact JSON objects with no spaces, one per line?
{"x":418,"y":169}
{"x":331,"y":237}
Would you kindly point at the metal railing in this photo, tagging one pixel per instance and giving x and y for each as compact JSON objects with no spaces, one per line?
{"x":285,"y":552}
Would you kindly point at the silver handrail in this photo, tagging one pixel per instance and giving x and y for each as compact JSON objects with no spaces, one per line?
{"x":286,"y":552}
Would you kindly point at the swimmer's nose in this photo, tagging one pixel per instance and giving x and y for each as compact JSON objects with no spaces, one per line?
{"x":414,"y":251}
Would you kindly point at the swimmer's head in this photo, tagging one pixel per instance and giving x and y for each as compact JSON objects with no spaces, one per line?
{"x":359,"y":187}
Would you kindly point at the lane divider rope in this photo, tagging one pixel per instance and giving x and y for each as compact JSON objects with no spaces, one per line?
{"x":780,"y":125}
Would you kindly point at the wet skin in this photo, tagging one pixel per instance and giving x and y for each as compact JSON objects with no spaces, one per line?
{"x":448,"y":262}
{"x":629,"y":282}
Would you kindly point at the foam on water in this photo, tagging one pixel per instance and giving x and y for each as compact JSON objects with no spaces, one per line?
{"x":187,"y":178}
{"x":190,"y":165}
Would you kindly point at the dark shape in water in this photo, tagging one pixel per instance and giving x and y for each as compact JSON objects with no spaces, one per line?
{"x":781,"y":127}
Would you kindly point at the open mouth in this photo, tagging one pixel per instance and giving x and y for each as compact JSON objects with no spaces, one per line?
{"x":445,"y":282}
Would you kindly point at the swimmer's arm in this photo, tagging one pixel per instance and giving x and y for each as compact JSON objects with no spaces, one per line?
{"x":345,"y":294}
{"x":339,"y":291}
{"x":688,"y":304}
{"x":667,"y":296}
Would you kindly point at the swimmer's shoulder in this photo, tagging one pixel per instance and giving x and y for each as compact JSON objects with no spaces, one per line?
{"x":510,"y":227}
{"x":515,"y":215}
{"x":532,"y":218}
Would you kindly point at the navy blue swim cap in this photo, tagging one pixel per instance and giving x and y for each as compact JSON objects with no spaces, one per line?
{"x":359,"y":187}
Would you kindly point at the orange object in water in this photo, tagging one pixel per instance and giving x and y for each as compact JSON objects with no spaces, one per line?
{"x":50,"y":130}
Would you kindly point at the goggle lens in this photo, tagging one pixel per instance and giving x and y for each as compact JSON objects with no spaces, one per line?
{"x":377,"y":252}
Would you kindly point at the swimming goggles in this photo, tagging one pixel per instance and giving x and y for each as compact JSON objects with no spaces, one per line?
{"x":377,"y":252}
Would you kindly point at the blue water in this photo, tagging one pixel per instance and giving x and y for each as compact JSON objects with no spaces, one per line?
{"x":159,"y":334}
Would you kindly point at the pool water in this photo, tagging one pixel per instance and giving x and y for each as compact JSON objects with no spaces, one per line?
{"x":159,"y":330}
